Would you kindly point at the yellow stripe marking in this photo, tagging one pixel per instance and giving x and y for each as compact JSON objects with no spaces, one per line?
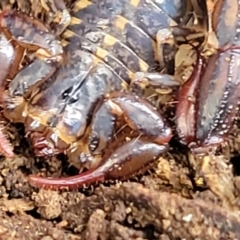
{"x":135,"y":3}
{"x":101,"y":53}
{"x":81,"y":5}
{"x":109,"y":40}
{"x":68,"y":34}
{"x":121,"y":22}
{"x":144,"y":67}
{"x":75,"y":21}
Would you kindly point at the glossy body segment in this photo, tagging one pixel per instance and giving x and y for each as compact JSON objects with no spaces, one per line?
{"x":30,"y":34}
{"x":127,"y":159}
{"x":226,"y":23}
{"x":186,"y":110}
{"x":7,"y":56}
{"x":121,"y":33}
{"x":105,"y":44}
{"x":102,"y":129}
{"x":218,"y":103}
{"x":141,"y":116}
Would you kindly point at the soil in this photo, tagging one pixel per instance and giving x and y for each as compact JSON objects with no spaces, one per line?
{"x":173,"y":200}
{"x":179,"y":198}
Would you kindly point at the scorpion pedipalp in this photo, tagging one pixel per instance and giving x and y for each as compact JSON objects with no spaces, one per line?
{"x":124,"y":162}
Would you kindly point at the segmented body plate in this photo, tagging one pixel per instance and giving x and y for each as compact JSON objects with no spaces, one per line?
{"x":122,"y":33}
{"x":105,"y":44}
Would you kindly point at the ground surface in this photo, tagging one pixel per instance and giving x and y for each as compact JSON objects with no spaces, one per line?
{"x":179,"y":198}
{"x":165,"y":203}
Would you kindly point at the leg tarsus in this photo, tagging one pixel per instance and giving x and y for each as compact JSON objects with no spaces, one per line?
{"x":156,"y":80}
{"x":166,"y":50}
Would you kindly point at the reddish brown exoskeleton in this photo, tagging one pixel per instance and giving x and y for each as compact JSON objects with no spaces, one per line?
{"x":209,"y":100}
{"x":74,"y":99}
{"x":17,"y":33}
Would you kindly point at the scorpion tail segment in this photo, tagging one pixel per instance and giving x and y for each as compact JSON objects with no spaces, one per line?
{"x":125,"y":161}
{"x":5,"y":147}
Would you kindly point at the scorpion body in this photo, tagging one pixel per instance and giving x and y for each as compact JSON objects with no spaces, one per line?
{"x":82,"y":92}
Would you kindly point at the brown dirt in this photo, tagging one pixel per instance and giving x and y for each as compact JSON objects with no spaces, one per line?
{"x":180,"y":198}
{"x":164,"y":203}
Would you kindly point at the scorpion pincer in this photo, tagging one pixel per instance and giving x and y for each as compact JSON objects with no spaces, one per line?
{"x":208,"y":101}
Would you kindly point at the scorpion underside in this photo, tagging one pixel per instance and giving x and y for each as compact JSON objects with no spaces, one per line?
{"x":86,"y":96}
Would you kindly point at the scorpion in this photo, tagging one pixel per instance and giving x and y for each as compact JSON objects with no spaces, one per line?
{"x":83,"y":88}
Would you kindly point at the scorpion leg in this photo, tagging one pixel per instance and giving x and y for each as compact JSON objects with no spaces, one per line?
{"x":61,"y":15}
{"x":140,"y":115}
{"x":19,"y":31}
{"x":156,"y":80}
{"x":20,"y":87}
{"x":166,"y":49}
{"x":168,"y":43}
{"x":31,"y":34}
{"x":133,"y":155}
{"x":102,"y":129}
{"x":23,"y":31}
